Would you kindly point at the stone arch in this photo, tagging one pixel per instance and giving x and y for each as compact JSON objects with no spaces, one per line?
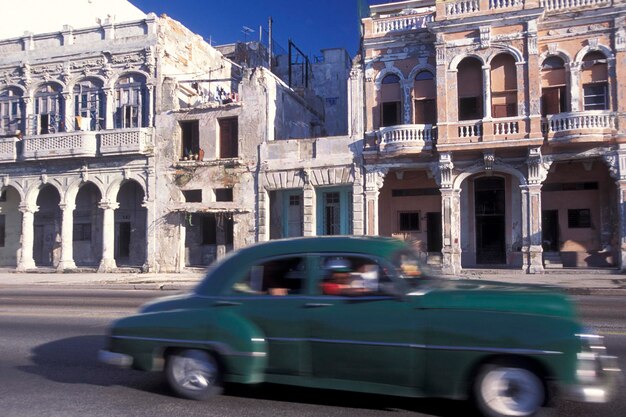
{"x":454,"y":63}
{"x":567,"y":59}
{"x":110,"y":193}
{"x":74,"y":187}
{"x":505,"y":49}
{"x":419,"y":68}
{"x":19,"y":87}
{"x":112,"y":81}
{"x":600,"y":48}
{"x":456,"y":184}
{"x":75,"y":80}
{"x":32,"y":192}
{"x":40,"y":84}
{"x":386,"y":71}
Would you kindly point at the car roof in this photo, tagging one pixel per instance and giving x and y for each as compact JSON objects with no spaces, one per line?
{"x":368,"y":245}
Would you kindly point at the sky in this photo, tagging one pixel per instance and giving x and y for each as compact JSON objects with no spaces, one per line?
{"x":311,"y":24}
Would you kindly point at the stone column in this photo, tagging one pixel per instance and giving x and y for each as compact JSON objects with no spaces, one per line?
{"x":109,"y":106}
{"x":26,"y":260}
{"x":67,"y":124}
{"x":67,"y":238}
{"x":487,"y":90}
{"x":309,"y":217}
{"x":29,"y":126}
{"x":574,"y":86}
{"x":406,"y":87}
{"x":621,"y":209}
{"x":107,"y":263}
{"x":150,"y":264}
{"x":356,"y":111}
{"x":263,"y":212}
{"x":374,"y":179}
{"x":450,"y":215}
{"x":358,"y":209}
{"x":150,"y":104}
{"x":532,"y":251}
{"x":619,"y":99}
{"x":532,"y":82}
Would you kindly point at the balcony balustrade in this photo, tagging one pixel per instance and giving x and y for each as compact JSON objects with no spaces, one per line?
{"x":60,"y":145}
{"x":8,"y":149}
{"x":402,"y":23}
{"x":461,"y":7}
{"x":470,"y":129}
{"x":506,"y":127}
{"x":126,"y":141}
{"x":77,"y":144}
{"x":565,"y":5}
{"x":406,"y":138}
{"x":563,"y":125}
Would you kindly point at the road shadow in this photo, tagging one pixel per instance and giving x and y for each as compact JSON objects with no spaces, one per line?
{"x":74,"y":361}
{"x":346,"y":399}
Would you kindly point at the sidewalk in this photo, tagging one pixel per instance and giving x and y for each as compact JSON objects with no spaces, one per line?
{"x":574,"y":281}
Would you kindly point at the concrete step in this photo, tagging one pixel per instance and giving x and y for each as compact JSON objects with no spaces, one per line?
{"x":552,"y":260}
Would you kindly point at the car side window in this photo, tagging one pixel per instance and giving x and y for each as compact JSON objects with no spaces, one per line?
{"x":353,"y":276}
{"x":275,"y":277}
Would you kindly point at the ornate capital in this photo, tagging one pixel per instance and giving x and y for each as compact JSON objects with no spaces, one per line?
{"x":445,"y":170}
{"x":67,"y":206}
{"x":538,"y":166}
{"x":375,"y":178}
{"x":28,"y":208}
{"x":485,"y":36}
{"x":489,"y":157}
{"x":108,"y":205}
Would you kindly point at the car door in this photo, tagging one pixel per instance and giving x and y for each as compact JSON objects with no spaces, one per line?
{"x":366,"y":333}
{"x":272,"y":295}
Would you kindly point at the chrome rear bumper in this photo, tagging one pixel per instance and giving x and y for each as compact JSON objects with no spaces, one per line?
{"x":115,"y":359}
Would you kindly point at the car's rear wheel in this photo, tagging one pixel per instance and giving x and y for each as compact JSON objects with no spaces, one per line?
{"x":194,"y":374}
{"x":508,"y":391}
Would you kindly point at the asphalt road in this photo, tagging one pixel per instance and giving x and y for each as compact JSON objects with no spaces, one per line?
{"x":49,"y":338}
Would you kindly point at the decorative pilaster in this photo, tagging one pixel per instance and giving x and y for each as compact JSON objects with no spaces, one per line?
{"x":450,"y":216}
{"x":487,"y":90}
{"x":67,"y":241}
{"x":532,"y":250}
{"x":309,"y":217}
{"x":358,"y":209}
{"x":621,"y":209}
{"x":574,"y":73}
{"x":151,"y":238}
{"x":406,"y":87}
{"x":356,"y":111}
{"x":68,"y":112}
{"x":26,"y":260}
{"x":109,"y":105}
{"x":107,"y":263}
{"x":150,"y":107}
{"x":374,"y":180}
{"x":29,"y":126}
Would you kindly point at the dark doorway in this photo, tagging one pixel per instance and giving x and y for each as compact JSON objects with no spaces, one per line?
{"x":123,"y":241}
{"x":550,"y":230}
{"x":433,"y":232}
{"x":489,"y":196}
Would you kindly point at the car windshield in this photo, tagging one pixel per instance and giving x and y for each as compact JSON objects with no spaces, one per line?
{"x":409,"y":267}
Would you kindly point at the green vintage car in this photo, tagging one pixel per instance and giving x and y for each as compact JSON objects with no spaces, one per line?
{"x":361,"y":314}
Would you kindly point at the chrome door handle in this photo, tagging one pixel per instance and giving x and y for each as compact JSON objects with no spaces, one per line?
{"x":317,"y":305}
{"x":226,"y":303}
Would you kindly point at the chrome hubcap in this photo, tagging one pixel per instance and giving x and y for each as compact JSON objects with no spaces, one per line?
{"x":512,"y":391}
{"x":194,"y":371}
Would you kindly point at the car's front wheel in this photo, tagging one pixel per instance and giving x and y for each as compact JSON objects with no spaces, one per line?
{"x":194,"y":374}
{"x":508,"y":391}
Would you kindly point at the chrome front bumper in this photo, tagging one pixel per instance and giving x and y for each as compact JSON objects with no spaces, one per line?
{"x":598,"y":375}
{"x":115,"y":359}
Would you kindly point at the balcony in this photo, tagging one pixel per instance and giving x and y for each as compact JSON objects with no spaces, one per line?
{"x":60,"y":145}
{"x":403,"y":139}
{"x":77,"y":144}
{"x":587,"y":126}
{"x":402,"y":23}
{"x":567,"y":5}
{"x":126,"y":141}
{"x":8,"y":149}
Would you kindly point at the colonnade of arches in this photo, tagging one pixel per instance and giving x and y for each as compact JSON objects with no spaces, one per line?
{"x":81,"y":226}
{"x":492,"y":219}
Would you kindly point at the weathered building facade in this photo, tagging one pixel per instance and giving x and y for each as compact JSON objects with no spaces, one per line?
{"x":494,"y":130}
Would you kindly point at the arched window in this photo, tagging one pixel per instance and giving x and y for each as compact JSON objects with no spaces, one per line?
{"x":88,"y":105}
{"x":130,"y":102}
{"x":470,"y":89}
{"x":48,"y":110}
{"x":10,"y":111}
{"x":390,"y":101}
{"x":424,"y":97}
{"x":595,"y":82}
{"x":503,"y":86}
{"x":553,"y":86}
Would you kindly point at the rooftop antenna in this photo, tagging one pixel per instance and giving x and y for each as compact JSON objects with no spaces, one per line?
{"x":246,"y":31}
